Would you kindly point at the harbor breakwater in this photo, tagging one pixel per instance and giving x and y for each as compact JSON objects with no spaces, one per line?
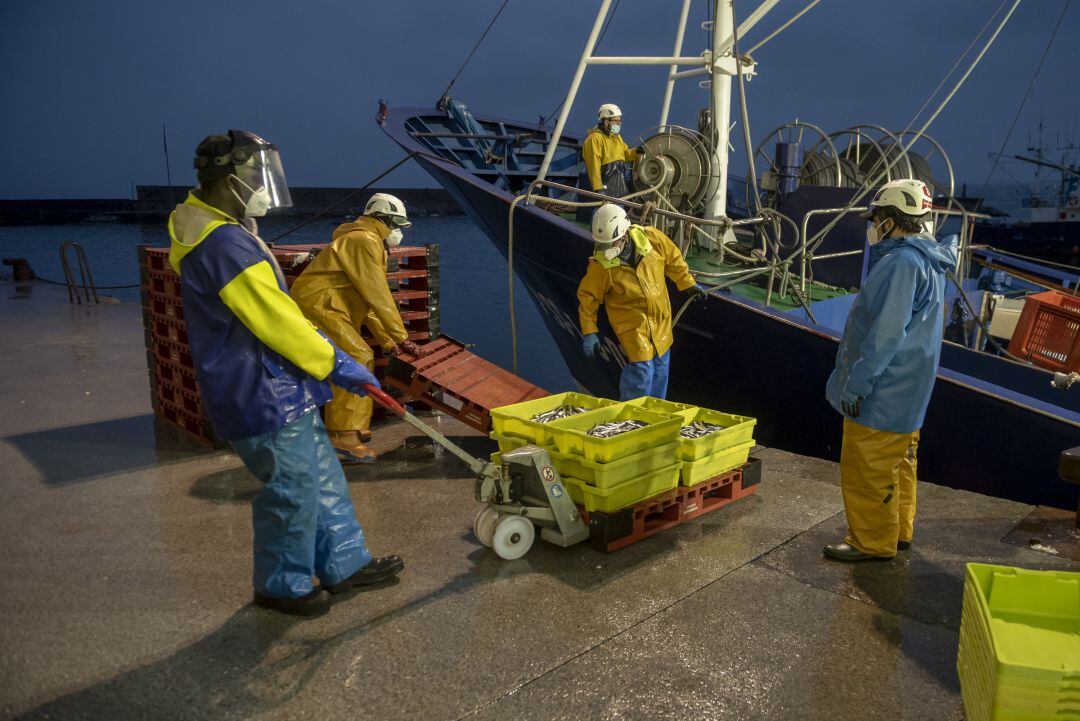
{"x":154,"y":202}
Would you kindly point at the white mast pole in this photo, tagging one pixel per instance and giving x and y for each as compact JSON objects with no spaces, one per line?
{"x":723,"y":25}
{"x":674,"y":68}
{"x":586,"y":54}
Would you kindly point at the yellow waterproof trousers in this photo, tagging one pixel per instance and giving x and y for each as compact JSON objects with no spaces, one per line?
{"x":346,"y":411}
{"x":877,"y":475}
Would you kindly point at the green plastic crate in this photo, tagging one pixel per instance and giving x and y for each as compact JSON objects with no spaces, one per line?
{"x":570,"y":434}
{"x":737,"y":430}
{"x":1019,"y":656}
{"x":514,"y":420}
{"x":694,"y":472}
{"x":607,"y":500}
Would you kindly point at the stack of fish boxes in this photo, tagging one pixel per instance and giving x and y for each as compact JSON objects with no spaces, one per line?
{"x":608,"y":473}
{"x":1019,"y":657}
{"x":412,"y":273}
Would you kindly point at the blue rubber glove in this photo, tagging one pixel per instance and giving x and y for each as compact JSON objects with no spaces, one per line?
{"x":697,"y":290}
{"x":350,"y":375}
{"x":850,"y":403}
{"x":590,"y":343}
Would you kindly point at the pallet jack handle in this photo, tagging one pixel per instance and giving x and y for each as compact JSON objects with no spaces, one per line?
{"x":383,"y":399}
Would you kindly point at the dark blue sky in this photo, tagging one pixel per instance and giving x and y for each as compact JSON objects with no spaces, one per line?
{"x":86,"y":86}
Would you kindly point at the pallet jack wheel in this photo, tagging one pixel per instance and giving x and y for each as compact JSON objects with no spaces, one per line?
{"x":513,"y":537}
{"x":484,"y":525}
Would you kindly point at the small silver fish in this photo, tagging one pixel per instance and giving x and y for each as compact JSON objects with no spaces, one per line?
{"x":699,"y":429}
{"x":556,"y":413}
{"x":614,"y":428}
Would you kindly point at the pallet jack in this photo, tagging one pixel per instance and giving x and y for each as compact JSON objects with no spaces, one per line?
{"x":520,"y":494}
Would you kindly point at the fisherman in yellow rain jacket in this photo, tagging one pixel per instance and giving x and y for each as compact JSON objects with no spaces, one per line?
{"x":606,"y":157}
{"x":345,"y":287}
{"x":627,"y":275}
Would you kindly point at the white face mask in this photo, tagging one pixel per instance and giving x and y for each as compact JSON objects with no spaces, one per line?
{"x":615,"y":128}
{"x":612,"y":251}
{"x":257,"y":203}
{"x":874,"y":234}
{"x":394,"y":239}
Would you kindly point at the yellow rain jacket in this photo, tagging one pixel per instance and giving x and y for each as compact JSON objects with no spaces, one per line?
{"x":601,"y":149}
{"x":636,"y":299}
{"x":343,"y":288}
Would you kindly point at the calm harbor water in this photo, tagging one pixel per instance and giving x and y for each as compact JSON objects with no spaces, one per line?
{"x":473,"y":279}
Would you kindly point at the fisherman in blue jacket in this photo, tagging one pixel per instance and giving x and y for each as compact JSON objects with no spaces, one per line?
{"x":263,"y":370}
{"x":885,"y":370}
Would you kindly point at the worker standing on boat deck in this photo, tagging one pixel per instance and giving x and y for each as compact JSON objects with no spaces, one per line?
{"x":885,"y":370}
{"x":627,"y":275}
{"x":345,"y":286}
{"x":262,"y":369}
{"x":606,"y":157}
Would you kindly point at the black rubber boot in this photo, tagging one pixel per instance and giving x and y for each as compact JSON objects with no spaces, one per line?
{"x":847,"y":553}
{"x":380,"y":569}
{"x":315,"y":603}
{"x":903,"y":545}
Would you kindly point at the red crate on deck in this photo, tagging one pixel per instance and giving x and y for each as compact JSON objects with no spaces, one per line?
{"x":1048,"y":332}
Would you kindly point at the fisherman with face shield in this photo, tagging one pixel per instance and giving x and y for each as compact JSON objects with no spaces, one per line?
{"x":627,"y":275}
{"x":345,"y":287}
{"x":263,"y":370}
{"x":885,"y":370}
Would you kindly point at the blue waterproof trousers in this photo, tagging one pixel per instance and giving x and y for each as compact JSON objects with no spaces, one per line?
{"x":645,"y":378}
{"x":303,"y":518}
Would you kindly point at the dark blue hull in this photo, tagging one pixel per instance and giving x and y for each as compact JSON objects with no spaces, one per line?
{"x":735,"y":355}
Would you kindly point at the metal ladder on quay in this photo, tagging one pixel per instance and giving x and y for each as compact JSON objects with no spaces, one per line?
{"x":87,"y":286}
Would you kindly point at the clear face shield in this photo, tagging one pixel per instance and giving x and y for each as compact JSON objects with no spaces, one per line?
{"x":263,"y":171}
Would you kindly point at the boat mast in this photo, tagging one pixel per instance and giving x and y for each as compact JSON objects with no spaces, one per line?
{"x":719,"y":65}
{"x":720,"y":106}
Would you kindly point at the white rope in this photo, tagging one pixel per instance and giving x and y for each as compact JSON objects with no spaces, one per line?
{"x":783,"y":27}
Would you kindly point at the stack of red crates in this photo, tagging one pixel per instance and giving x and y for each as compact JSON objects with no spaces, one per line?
{"x":412,"y":273}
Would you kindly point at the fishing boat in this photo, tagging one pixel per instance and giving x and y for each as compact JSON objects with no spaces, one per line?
{"x":783,"y":252}
{"x":1047,"y":225}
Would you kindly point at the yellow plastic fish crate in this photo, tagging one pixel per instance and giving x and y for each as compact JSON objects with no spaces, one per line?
{"x":662,"y":405}
{"x":516,"y":420}
{"x":604,"y":475}
{"x":1019,"y":656}
{"x":612,"y":498}
{"x":570,"y":435}
{"x":736,"y":431}
{"x":703,"y":469}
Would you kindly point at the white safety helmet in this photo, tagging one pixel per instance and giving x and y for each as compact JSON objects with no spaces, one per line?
{"x":908,"y":196}
{"x":387,"y":206}
{"x":609,"y":223}
{"x":608,"y":110}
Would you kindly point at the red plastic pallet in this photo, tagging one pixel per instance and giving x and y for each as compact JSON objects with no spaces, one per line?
{"x":458,"y":382}
{"x":196,"y":425}
{"x":611,"y":531}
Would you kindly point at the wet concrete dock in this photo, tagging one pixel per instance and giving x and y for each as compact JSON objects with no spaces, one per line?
{"x":125,"y":580}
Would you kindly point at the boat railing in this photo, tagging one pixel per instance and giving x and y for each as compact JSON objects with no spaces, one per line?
{"x":807,"y":255}
{"x":87,"y":286}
